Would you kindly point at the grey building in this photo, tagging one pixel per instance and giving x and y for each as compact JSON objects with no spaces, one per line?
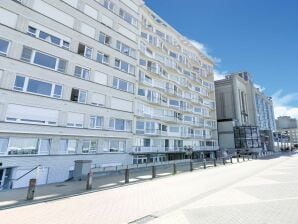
{"x":286,"y":122}
{"x":76,"y":84}
{"x":245,"y":115}
{"x":286,"y":136}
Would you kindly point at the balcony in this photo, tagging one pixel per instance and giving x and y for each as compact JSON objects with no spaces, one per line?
{"x":153,"y":149}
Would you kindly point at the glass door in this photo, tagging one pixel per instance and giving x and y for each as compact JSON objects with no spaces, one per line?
{"x":1,"y":178}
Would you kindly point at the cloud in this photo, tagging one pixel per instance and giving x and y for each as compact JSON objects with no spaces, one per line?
{"x":283,"y":104}
{"x":219,"y":75}
{"x":261,"y":88}
{"x":202,"y":48}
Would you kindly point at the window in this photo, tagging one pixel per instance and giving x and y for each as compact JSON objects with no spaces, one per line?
{"x":109,"y":5}
{"x":68,"y":146}
{"x":4,"y":44}
{"x":21,"y":146}
{"x":37,"y":87}
{"x":128,"y":18}
{"x":34,"y":32}
{"x":123,"y":85}
{"x":102,"y":58}
{"x":89,"y":146}
{"x":120,"y":124}
{"x":147,"y":142}
{"x":123,"y":48}
{"x":83,"y":73}
{"x":174,"y":103}
{"x":140,"y":125}
{"x":42,"y":59}
{"x":105,"y":39}
{"x":96,"y":122}
{"x":78,"y":95}
{"x":117,"y":145}
{"x":141,"y":92}
{"x":124,"y":66}
{"x":3,"y":145}
{"x":85,"y":51}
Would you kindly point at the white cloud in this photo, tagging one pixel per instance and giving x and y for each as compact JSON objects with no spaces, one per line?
{"x":282,"y":104}
{"x":201,"y":47}
{"x":219,"y":75}
{"x":261,"y":88}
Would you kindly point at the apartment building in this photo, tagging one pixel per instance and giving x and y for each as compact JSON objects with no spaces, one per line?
{"x":67,"y":76}
{"x":286,"y":135}
{"x":286,"y":122}
{"x":100,"y":80}
{"x":245,"y":115}
{"x":175,"y":103}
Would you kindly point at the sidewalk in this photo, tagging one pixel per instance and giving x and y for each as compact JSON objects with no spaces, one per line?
{"x":154,"y":200}
{"x":14,"y":198}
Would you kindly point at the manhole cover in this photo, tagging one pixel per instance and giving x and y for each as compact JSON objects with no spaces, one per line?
{"x":144,"y":220}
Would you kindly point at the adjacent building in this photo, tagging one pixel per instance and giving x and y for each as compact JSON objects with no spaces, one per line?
{"x":286,"y":136}
{"x":286,"y":122}
{"x":245,"y":115}
{"x":101,"y":80}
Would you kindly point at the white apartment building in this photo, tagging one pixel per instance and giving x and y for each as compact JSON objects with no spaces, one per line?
{"x":175,"y":102}
{"x":78,"y":82}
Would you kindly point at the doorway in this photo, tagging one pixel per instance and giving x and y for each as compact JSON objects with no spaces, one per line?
{"x":5,"y":178}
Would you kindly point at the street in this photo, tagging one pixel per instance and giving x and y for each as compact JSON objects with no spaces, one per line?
{"x":259,"y":191}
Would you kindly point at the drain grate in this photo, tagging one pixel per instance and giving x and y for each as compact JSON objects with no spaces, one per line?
{"x":144,"y":219}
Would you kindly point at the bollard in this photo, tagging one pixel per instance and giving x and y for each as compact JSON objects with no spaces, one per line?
{"x":238,"y":158}
{"x":223,"y":161}
{"x":126,"y":175}
{"x":190,"y":166}
{"x":204,"y":163}
{"x":243,"y":158}
{"x":31,"y":189}
{"x":89,"y":181}
{"x":153,"y":172}
{"x":231,"y":159}
{"x":215,"y":163}
{"x":174,"y":169}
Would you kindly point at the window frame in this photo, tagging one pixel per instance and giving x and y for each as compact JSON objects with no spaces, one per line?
{"x":7,"y":48}
{"x":26,"y":85}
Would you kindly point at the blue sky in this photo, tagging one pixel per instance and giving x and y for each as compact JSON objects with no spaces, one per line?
{"x":259,"y":36}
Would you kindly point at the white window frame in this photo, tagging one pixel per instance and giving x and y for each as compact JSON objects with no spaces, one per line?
{"x":26,"y":83}
{"x":106,"y":37}
{"x":126,"y":123}
{"x":96,"y":120}
{"x":121,"y":47}
{"x":36,"y":34}
{"x":129,"y":88}
{"x":8,"y":46}
{"x":103,"y":57}
{"x":131,"y":68}
{"x":32,"y":58}
{"x":83,"y":74}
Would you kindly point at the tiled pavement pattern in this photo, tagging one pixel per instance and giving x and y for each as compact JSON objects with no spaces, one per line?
{"x":260,"y":191}
{"x":269,"y":197}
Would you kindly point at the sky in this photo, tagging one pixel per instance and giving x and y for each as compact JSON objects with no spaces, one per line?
{"x":258,"y":36}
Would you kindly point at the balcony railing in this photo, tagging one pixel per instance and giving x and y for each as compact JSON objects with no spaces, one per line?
{"x":155,"y":149}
